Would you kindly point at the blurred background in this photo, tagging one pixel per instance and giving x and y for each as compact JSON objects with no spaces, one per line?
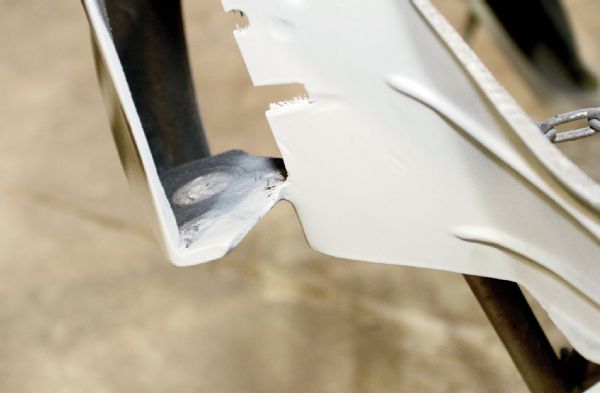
{"x":88,"y":304}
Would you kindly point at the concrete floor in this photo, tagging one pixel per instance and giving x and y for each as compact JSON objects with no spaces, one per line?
{"x":87,"y":303}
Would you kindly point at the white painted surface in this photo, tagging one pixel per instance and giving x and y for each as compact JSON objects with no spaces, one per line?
{"x":409,"y":152}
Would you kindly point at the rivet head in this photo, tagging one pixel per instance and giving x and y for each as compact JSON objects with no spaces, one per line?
{"x":201,"y":188}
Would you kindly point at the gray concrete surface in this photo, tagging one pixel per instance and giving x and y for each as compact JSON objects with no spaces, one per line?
{"x":87,"y":303}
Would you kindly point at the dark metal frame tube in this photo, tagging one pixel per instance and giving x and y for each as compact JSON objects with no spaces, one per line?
{"x":518,"y":328}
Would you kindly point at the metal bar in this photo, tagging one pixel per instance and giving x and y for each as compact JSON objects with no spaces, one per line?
{"x":512,"y":318}
{"x":580,"y":371}
{"x":541,"y":30}
{"x":150,"y":39}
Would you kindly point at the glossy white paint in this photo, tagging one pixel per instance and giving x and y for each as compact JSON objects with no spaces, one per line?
{"x":407,"y":151}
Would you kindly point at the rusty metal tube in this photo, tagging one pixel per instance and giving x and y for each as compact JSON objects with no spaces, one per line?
{"x":518,"y":328}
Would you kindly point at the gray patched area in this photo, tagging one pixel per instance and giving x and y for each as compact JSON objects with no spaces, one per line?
{"x":220,"y":198}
